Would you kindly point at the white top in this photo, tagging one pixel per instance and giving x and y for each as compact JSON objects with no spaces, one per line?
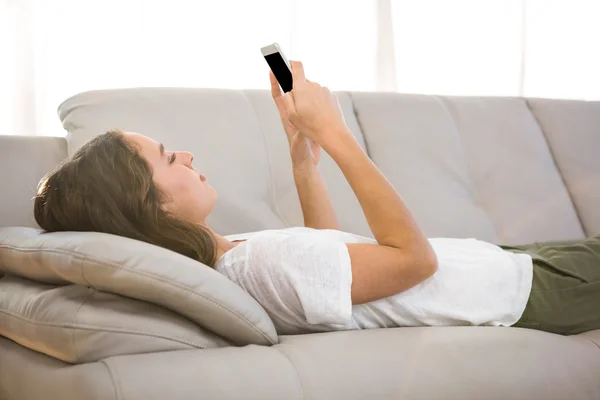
{"x":302,"y":278}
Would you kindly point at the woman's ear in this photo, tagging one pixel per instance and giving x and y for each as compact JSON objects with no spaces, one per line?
{"x":168,"y":206}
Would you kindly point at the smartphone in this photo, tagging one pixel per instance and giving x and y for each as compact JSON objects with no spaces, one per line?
{"x":279,"y":65}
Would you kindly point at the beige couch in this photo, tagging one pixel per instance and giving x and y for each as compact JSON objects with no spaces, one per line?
{"x":504,"y":170}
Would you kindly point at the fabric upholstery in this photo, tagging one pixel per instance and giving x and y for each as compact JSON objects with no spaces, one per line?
{"x":514,"y":175}
{"x":414,"y":142}
{"x":408,"y":363}
{"x":29,"y":375}
{"x":572,"y":129}
{"x":139,"y":270}
{"x":445,"y":363}
{"x":24,"y":160}
{"x":594,"y":336}
{"x":219,"y":126}
{"x":425,"y":145}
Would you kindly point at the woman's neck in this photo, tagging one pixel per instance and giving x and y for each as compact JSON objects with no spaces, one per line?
{"x":223,"y":244}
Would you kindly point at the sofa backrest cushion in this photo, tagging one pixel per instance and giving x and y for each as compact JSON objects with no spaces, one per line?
{"x":141,"y":271}
{"x":572,"y":129}
{"x":24,"y":160}
{"x":237,"y":140}
{"x":515,"y":178}
{"x":469,"y":166}
{"x":79,"y":324}
{"x":218,"y":126}
{"x":413,"y":140}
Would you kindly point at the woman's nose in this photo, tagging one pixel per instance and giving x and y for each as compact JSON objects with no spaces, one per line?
{"x":187,"y":158}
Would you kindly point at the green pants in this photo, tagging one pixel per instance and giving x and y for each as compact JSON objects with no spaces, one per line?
{"x":565,"y":296}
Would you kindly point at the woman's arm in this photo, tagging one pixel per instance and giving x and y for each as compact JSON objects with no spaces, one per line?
{"x":316,"y":205}
{"x":403,"y":256}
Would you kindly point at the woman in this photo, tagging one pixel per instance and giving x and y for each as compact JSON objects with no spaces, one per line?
{"x":318,"y":278}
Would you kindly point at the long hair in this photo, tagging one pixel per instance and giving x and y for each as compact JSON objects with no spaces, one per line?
{"x":107,"y":186}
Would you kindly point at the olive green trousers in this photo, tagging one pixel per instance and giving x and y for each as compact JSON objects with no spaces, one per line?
{"x":565,"y":295}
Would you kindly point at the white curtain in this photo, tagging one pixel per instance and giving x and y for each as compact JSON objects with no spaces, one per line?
{"x":50,"y":50}
{"x":532,"y":48}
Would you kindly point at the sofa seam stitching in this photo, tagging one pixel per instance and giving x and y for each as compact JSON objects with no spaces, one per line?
{"x":113,"y":379}
{"x":558,"y":170}
{"x":75,"y":254}
{"x":269,"y":162}
{"x":84,"y":257}
{"x":300,"y":382}
{"x":84,"y":327}
{"x":476,"y":196}
{"x":591,"y":340}
{"x":360,"y":126}
{"x":72,"y":331}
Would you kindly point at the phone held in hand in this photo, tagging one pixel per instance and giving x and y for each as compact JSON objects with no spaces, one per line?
{"x":279,"y":65}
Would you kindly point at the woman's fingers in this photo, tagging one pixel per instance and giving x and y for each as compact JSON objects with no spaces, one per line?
{"x":297,"y":73}
{"x":275,"y":89}
{"x":297,"y":77}
{"x":290,"y":105}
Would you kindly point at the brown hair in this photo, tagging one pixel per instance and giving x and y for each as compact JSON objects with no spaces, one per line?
{"x":107,"y":186}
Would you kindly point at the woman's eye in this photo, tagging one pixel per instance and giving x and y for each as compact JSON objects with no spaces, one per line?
{"x":172,"y":159}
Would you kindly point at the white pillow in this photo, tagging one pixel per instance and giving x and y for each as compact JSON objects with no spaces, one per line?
{"x":141,"y":271}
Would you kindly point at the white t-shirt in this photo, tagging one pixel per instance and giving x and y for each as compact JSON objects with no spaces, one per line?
{"x":302,"y":277}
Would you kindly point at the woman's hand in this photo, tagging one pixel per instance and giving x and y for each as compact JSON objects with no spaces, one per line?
{"x":313,"y":109}
{"x":305,"y":153}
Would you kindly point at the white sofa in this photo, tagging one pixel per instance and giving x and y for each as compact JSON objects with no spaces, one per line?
{"x":504,"y":170}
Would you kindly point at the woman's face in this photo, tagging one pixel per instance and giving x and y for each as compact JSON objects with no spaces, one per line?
{"x":189,"y":195}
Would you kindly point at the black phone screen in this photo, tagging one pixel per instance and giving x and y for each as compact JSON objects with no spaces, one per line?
{"x":280,"y":70}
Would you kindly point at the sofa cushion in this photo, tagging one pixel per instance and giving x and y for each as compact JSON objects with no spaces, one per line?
{"x":514,"y":176}
{"x":468,"y":166}
{"x":219,"y":126}
{"x":285,"y":193}
{"x":26,"y":374}
{"x":24,"y":160}
{"x":572,"y":129}
{"x":443,"y":363}
{"x":79,"y":324}
{"x":415,"y":143}
{"x":141,"y":271}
